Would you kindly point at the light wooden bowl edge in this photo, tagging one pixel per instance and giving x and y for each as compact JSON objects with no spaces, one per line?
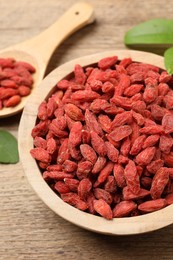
{"x":119,"y":226}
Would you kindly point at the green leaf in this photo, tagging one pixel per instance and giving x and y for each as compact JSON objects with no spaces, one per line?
{"x":8,"y":148}
{"x":154,"y":32}
{"x":168,"y":60}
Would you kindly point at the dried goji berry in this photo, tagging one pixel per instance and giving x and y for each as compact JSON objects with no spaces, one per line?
{"x":120,"y":132}
{"x":103,"y":208}
{"x":75,"y":136}
{"x":80,"y":76}
{"x":84,"y":95}
{"x":138,"y":118}
{"x":129,"y":195}
{"x":107,"y":87}
{"x":164,"y":77}
{"x":61,"y":187}
{"x":168,"y":159}
{"x":69,"y":166}
{"x":122,"y":119}
{"x":8,"y":83}
{"x":56,"y":175}
{"x":133,"y":89}
{"x":105,"y":172}
{"x":72,"y":184}
{"x":92,"y":123}
{"x":51,"y":107}
{"x":166,"y":143}
{"x":137,"y":145}
{"x":12,"y":101}
{"x":107,"y":62}
{"x":167,"y":123}
{"x":40,"y":142}
{"x":84,"y":188}
{"x":74,"y":200}
{"x":74,"y":112}
{"x":124,"y":83}
{"x":88,"y":153}
{"x":26,"y":65}
{"x":98,"y":144}
{"x":7,"y":62}
{"x":132,"y":177}
{"x":86,"y":136}
{"x":54,"y":128}
{"x":169,"y":199}
{"x":125,"y":146}
{"x":152,"y":205}
{"x":105,"y":122}
{"x":99,"y":164}
{"x":102,"y":194}
{"x":118,"y":172}
{"x":157,"y":112}
{"x":110,"y":184}
{"x":90,"y":202}
{"x":124,"y":208}
{"x":159,"y":182}
{"x":51,"y":145}
{"x":146,"y":156}
{"x":40,"y":154}
{"x":152,"y":130}
{"x":97,"y":105}
{"x":112,"y":152}
{"x":163,"y":89}
{"x":155,"y":165}
{"x":84,"y":167}
{"x":63,"y":152}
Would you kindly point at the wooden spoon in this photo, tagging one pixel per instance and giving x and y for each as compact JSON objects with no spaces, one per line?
{"x":38,"y":50}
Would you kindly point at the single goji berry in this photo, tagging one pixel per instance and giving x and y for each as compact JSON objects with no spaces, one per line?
{"x":103,"y":208}
{"x":98,"y":144}
{"x":132,"y":177}
{"x":159,"y":182}
{"x":120,"y":132}
{"x":107,"y":62}
{"x":112,"y":152}
{"x":118,"y":172}
{"x":152,"y":205}
{"x":40,"y":154}
{"x":12,"y":101}
{"x":74,"y":200}
{"x":88,"y":153}
{"x":146,"y":156}
{"x":129,"y":195}
{"x":124,"y":208}
{"x":84,"y":188}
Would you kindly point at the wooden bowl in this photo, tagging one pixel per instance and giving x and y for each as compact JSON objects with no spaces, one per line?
{"x":117,"y":226}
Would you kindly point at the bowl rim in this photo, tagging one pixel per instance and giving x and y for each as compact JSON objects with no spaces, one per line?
{"x":118,"y":226}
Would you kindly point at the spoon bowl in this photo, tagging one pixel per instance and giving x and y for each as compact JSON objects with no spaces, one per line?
{"x":38,"y":50}
{"x":37,"y":77}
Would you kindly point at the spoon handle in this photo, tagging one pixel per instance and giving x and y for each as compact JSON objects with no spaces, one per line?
{"x":46,"y":42}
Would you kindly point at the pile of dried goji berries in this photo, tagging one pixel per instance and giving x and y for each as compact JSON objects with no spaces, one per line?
{"x":104,"y":139}
{"x":15,"y":81}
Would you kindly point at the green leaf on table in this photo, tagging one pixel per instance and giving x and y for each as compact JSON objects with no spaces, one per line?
{"x":168,"y":60}
{"x":152,"y":32}
{"x":8,"y":148}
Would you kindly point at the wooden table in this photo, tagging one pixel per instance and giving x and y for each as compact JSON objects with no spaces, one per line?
{"x":28,"y":229}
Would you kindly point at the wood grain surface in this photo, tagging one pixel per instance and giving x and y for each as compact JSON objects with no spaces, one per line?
{"x":28,"y":229}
